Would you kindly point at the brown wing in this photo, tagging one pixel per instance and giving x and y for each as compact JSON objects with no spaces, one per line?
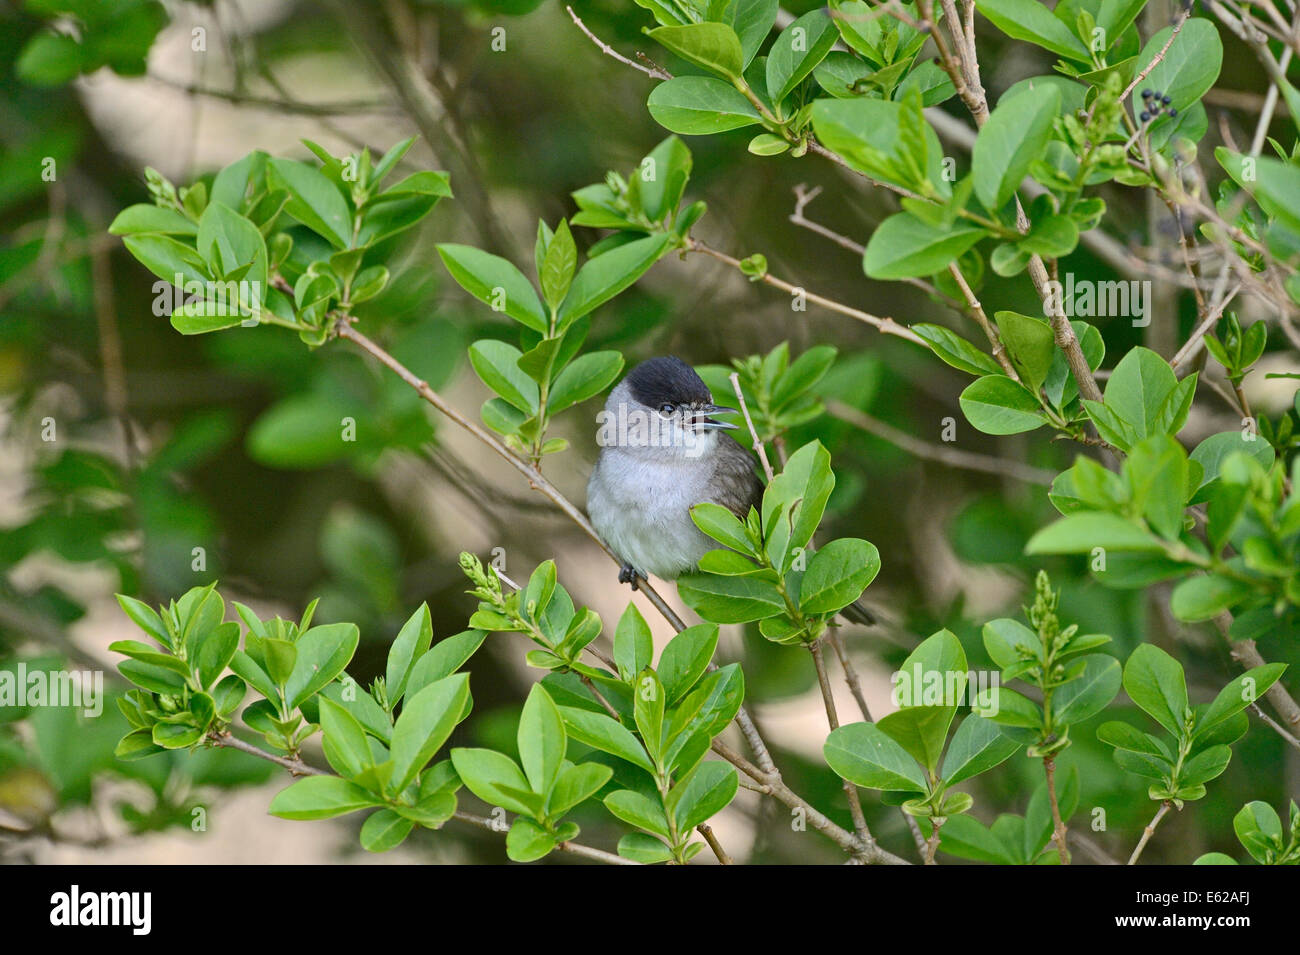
{"x":735,"y":484}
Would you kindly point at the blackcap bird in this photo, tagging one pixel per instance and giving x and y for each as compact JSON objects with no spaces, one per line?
{"x":662,"y":452}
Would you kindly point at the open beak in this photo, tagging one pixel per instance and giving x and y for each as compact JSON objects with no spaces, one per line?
{"x":703,"y":422}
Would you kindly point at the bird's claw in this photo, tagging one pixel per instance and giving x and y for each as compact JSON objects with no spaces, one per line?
{"x":627,"y":575}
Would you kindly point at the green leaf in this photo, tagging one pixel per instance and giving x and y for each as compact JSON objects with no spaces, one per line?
{"x":412,"y":642}
{"x":957,"y":351}
{"x":493,"y":777}
{"x":837,"y":575}
{"x":1156,"y":472}
{"x":49,"y":59}
{"x":527,"y":841}
{"x":558,"y":266}
{"x":976,"y":747}
{"x":1087,"y":694}
{"x":319,"y":797}
{"x":497,"y":364}
{"x":384,"y":830}
{"x":496,"y":282}
{"x":1155,"y":682}
{"x":390,"y":160}
{"x":661,"y":179}
{"x":685,"y":659}
{"x":1005,"y":639}
{"x":1190,"y":65}
{"x":863,"y":754}
{"x":541,"y":740}
{"x":1260,"y":830}
{"x":752,"y":20}
{"x":313,"y":200}
{"x":1123,"y":736}
{"x":1032,"y":345}
{"x":1211,"y":453}
{"x":638,"y":809}
{"x":576,"y":785}
{"x":995,"y":404}
{"x":166,"y":258}
{"x":1205,"y":596}
{"x":887,"y":140}
{"x":323,"y":653}
{"x":176,"y":735}
{"x":446,"y":657}
{"x":648,"y":710}
{"x":713,"y":46}
{"x":146,"y":217}
{"x":797,"y":51}
{"x":633,"y":645}
{"x":144,"y":617}
{"x":904,"y":246}
{"x":1032,"y":21}
{"x":644,"y":848}
{"x":1137,"y":390}
{"x":426,"y":720}
{"x":799,"y":495}
{"x":1116,"y":16}
{"x":1203,"y":767}
{"x":345,"y":743}
{"x":701,"y":794}
{"x":730,"y":599}
{"x":699,"y":105}
{"x":1080,"y":533}
{"x":603,"y":277}
{"x":722,"y":525}
{"x":1237,"y":695}
{"x":1012,"y":139}
{"x":585,"y":377}
{"x":920,"y":730}
{"x":605,"y":734}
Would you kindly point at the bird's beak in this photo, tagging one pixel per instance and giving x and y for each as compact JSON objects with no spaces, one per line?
{"x":702,"y":420}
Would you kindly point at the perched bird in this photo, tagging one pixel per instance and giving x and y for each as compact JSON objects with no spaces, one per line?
{"x":662,"y":452}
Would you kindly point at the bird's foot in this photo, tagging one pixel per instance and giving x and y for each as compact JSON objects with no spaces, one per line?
{"x":627,"y":575}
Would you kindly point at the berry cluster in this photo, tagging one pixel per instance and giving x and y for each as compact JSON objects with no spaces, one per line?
{"x":1154,"y":103}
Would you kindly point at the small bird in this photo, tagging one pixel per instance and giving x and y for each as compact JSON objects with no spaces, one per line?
{"x":662,"y":452}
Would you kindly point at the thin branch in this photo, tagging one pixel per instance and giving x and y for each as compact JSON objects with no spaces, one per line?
{"x":753,"y":433}
{"x":1058,"y":826}
{"x":1159,"y":57}
{"x":982,"y":320}
{"x":296,"y":766}
{"x":803,"y":195}
{"x":828,"y":698}
{"x":1090,"y":848}
{"x":1275,"y":725}
{"x":953,"y":457}
{"x":1192,"y":346}
{"x":652,"y":71}
{"x":886,"y":326}
{"x":239,"y":98}
{"x":1149,"y":831}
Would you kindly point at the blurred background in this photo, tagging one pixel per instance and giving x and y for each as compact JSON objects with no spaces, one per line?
{"x":139,"y":461}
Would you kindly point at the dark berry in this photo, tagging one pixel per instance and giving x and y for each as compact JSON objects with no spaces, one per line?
{"x":1145,"y":116}
{"x":1166,"y":100}
{"x":1173,"y":112}
{"x":1146,"y":94}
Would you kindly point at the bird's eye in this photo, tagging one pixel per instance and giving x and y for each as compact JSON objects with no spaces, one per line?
{"x":667,"y":408}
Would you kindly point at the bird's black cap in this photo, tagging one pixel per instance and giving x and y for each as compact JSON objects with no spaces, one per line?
{"x":667,"y":380}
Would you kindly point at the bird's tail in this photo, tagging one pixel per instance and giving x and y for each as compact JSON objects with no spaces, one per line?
{"x":857,"y":613}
